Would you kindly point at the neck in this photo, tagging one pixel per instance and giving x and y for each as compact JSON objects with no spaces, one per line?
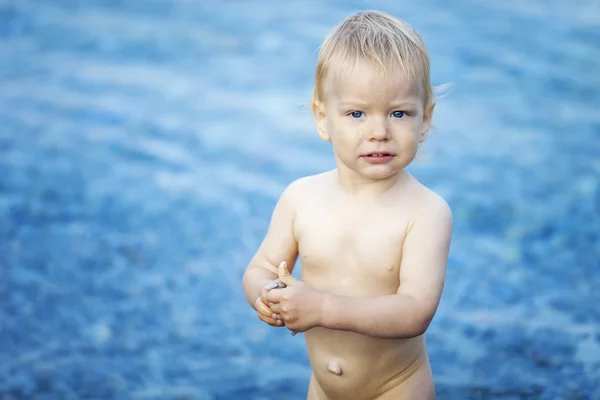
{"x":358,"y":186}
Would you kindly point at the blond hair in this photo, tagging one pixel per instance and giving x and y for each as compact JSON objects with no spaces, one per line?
{"x":377,"y":37}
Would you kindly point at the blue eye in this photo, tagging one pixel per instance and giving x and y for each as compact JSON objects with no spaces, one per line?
{"x":398,"y":114}
{"x":356,"y":114}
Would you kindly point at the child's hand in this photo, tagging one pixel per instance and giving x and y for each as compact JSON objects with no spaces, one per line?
{"x":298,"y":305}
{"x":261,"y":305}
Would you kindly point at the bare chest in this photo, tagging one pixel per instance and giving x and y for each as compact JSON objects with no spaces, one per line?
{"x":354,"y":252}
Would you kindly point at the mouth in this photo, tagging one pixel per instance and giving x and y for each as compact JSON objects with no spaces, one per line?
{"x":378,"y":155}
{"x":378,"y":158}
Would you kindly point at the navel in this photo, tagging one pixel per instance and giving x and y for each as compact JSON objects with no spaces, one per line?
{"x":334,"y":367}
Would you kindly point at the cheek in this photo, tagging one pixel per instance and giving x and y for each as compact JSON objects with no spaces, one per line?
{"x":346,"y":138}
{"x":347,"y":130}
{"x":409,"y":130}
{"x":344,"y":141}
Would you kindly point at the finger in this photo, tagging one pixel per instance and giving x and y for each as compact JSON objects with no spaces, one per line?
{"x":274,"y":296}
{"x":265,"y":310}
{"x":262,"y":308}
{"x":276,"y":308}
{"x":284,"y":274}
{"x":268,"y":287}
{"x":270,"y":321}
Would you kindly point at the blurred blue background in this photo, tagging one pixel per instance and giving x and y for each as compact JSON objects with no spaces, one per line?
{"x":143,"y":145}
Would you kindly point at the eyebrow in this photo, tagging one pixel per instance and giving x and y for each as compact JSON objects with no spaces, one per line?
{"x":406,"y":103}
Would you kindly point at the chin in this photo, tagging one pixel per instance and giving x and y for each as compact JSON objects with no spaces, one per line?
{"x":381,"y":174}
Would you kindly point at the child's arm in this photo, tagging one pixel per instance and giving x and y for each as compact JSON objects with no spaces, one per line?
{"x":422,"y":272}
{"x":279,"y":244}
{"x":405,"y":314}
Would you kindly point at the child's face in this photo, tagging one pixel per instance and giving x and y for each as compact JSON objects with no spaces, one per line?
{"x":366,"y":113}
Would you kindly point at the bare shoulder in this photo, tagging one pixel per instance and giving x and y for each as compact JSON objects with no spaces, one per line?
{"x":280,"y":242}
{"x":430,"y":205}
{"x":298,"y":190}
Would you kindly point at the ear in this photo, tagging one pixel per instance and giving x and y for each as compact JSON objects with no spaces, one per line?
{"x":318,"y":109}
{"x":427,"y":116}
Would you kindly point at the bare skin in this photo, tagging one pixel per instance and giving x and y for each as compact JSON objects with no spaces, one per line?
{"x":373,"y":243}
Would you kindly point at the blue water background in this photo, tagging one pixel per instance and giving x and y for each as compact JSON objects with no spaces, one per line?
{"x":143,"y":145}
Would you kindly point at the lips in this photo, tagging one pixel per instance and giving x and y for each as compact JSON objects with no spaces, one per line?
{"x":378,"y":158}
{"x":377,"y":154}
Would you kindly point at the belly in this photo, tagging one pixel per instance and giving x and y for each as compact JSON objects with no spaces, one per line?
{"x":349,"y":365}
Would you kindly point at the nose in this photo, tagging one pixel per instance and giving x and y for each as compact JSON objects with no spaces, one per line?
{"x":379,"y":131}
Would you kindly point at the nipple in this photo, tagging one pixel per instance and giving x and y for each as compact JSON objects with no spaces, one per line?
{"x":334,"y":367}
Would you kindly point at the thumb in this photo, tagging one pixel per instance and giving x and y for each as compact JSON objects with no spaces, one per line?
{"x":284,"y":274}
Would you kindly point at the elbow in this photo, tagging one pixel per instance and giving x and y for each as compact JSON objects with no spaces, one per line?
{"x":247,"y":277}
{"x":416,"y":325}
{"x":421,"y":324}
{"x":412,"y":328}
{"x":406,"y":331}
{"x":419,"y":329}
{"x":417,"y":321}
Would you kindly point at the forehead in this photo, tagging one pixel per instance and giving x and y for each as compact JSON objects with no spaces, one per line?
{"x":368,"y":82}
